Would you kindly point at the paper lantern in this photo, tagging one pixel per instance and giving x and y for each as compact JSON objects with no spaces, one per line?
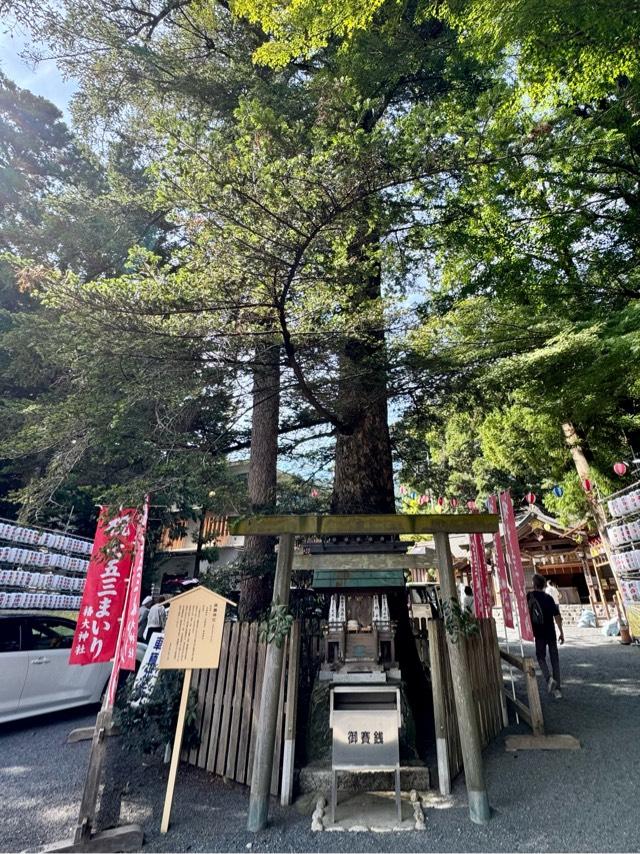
{"x":620,"y":468}
{"x":314,"y":493}
{"x":424,"y":499}
{"x":530,"y":497}
{"x":440,"y":500}
{"x":558,"y":491}
{"x":471,"y":504}
{"x":453,"y":502}
{"x":403,"y":489}
{"x":586,"y":483}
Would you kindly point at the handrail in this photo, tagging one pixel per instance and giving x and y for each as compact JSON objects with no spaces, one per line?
{"x":531,"y":714}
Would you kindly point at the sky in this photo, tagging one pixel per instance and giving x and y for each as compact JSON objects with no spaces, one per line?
{"x":43,"y":79}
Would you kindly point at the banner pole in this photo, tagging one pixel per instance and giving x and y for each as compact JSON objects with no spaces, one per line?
{"x":115,"y":670}
{"x":514,"y":612}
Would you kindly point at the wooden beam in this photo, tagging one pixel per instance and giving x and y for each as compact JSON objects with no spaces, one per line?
{"x":468,"y":727}
{"x":268,"y":719}
{"x":365,"y":523}
{"x":541,"y":742}
{"x":520,"y":708}
{"x":376,"y":560}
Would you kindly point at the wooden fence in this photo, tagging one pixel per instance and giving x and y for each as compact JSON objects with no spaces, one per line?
{"x":229,"y":707}
{"x":483,"y":655}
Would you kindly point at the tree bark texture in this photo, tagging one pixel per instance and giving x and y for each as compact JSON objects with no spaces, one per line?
{"x":259,"y":557}
{"x":582,"y":467}
{"x":363,"y":477}
{"x":581,"y":463}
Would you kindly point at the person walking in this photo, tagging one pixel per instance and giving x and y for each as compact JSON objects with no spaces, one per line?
{"x":544,"y":614}
{"x":156,"y":619}
{"x":467,"y":599}
{"x":143,"y":613}
{"x":552,"y":590}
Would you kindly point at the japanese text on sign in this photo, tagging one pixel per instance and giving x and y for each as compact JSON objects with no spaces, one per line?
{"x":104,"y":594}
{"x":193,"y":633}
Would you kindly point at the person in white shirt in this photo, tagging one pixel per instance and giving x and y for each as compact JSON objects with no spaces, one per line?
{"x":156,"y":618}
{"x":143,"y":613}
{"x":552,"y":590}
{"x":467,"y":599}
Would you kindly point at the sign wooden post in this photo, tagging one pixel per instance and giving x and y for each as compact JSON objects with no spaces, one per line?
{"x":192,"y":640}
{"x":175,"y":756}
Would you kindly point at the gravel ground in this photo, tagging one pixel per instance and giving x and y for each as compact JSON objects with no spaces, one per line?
{"x":543,"y":801}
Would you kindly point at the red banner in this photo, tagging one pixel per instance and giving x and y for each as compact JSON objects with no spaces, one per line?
{"x":501,"y":567}
{"x":512,"y":547}
{"x":96,"y":635}
{"x":129,"y":644}
{"x":482,"y":602}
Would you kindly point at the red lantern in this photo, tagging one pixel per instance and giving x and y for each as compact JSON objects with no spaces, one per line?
{"x":531,"y":497}
{"x":620,"y":469}
{"x":453,"y":502}
{"x":440,"y":500}
{"x":424,"y":499}
{"x":587,"y":484}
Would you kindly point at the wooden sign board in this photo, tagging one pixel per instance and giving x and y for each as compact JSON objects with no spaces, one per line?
{"x":193,"y":632}
{"x":192,"y":640}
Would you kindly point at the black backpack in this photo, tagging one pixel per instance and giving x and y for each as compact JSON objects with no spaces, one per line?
{"x":535,"y":611}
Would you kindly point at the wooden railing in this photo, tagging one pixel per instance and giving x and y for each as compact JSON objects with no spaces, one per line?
{"x":531,"y":713}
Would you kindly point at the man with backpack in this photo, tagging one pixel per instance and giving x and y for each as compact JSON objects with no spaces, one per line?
{"x":544,"y":612}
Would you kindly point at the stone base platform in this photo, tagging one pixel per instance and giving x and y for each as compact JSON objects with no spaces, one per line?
{"x":317,"y":778}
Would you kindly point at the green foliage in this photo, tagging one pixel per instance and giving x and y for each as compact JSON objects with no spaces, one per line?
{"x":458,"y":621}
{"x":148,"y":724}
{"x":277,"y":625}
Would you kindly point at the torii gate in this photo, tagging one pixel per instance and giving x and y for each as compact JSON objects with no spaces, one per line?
{"x":441,"y":526}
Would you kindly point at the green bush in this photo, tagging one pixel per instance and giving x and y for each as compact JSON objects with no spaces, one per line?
{"x":147,"y":723}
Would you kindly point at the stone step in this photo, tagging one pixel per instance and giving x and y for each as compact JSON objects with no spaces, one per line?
{"x":317,"y":778}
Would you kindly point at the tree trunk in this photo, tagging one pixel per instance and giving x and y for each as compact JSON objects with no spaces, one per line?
{"x":363,"y":476}
{"x":259,"y":558}
{"x":584,"y":473}
{"x":582,"y":467}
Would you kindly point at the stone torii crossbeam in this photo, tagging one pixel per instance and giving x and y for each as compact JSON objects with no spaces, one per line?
{"x":441,"y":526}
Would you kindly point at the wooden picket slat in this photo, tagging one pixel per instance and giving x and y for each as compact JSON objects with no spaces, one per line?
{"x":247,"y":704}
{"x":227,"y":703}
{"x":238,"y":694}
{"x":207,"y":710}
{"x":255,"y":712}
{"x":277,"y":751}
{"x":217,"y":699}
